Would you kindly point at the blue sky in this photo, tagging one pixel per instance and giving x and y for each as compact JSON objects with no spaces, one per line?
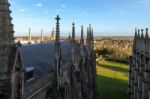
{"x":108,"y":17}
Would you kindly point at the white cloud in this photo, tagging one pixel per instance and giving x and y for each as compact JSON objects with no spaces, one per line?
{"x":21,"y":10}
{"x":39,"y":5}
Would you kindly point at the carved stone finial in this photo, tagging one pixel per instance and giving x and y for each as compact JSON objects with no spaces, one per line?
{"x":57,"y":18}
{"x":57,"y":29}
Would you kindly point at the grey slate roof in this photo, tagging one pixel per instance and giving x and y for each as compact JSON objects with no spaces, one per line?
{"x":41,"y":56}
{"x":66,"y":50}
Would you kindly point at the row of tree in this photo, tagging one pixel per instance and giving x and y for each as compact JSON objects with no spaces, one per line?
{"x":113,"y":53}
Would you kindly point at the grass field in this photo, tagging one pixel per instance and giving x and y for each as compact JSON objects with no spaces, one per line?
{"x":112,"y":80}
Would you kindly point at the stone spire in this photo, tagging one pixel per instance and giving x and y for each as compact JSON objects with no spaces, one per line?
{"x":82,"y":35}
{"x":57,"y":29}
{"x":89,"y":42}
{"x":146,"y":35}
{"x":57,"y":47}
{"x":92,"y":34}
{"x":135,"y":33}
{"x":146,"y":41}
{"x":6,"y":47}
{"x":142,"y":35}
{"x":41,"y":35}
{"x":69,"y":36}
{"x":135,"y":40}
{"x":73,"y":31}
{"x":29,"y":37}
{"x":82,"y":48}
{"x":73,"y":45}
{"x":89,"y":34}
{"x":138,"y":34}
{"x":88,"y":37}
{"x":92,"y":39}
{"x":90,"y":31}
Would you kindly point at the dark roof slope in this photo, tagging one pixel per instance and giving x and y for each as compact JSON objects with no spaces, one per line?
{"x":41,"y":56}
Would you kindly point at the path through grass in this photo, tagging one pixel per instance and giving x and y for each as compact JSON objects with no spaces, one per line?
{"x":112,"y":80}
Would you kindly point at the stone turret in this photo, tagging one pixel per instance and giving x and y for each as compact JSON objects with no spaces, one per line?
{"x":29,"y":37}
{"x":41,"y":35}
{"x":6,"y":47}
{"x":57,"y":48}
{"x":53,"y":35}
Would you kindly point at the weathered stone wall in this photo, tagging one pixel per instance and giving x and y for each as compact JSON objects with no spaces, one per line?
{"x":6,"y":42}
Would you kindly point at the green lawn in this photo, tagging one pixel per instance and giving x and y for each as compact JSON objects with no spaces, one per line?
{"x":112,"y":80}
